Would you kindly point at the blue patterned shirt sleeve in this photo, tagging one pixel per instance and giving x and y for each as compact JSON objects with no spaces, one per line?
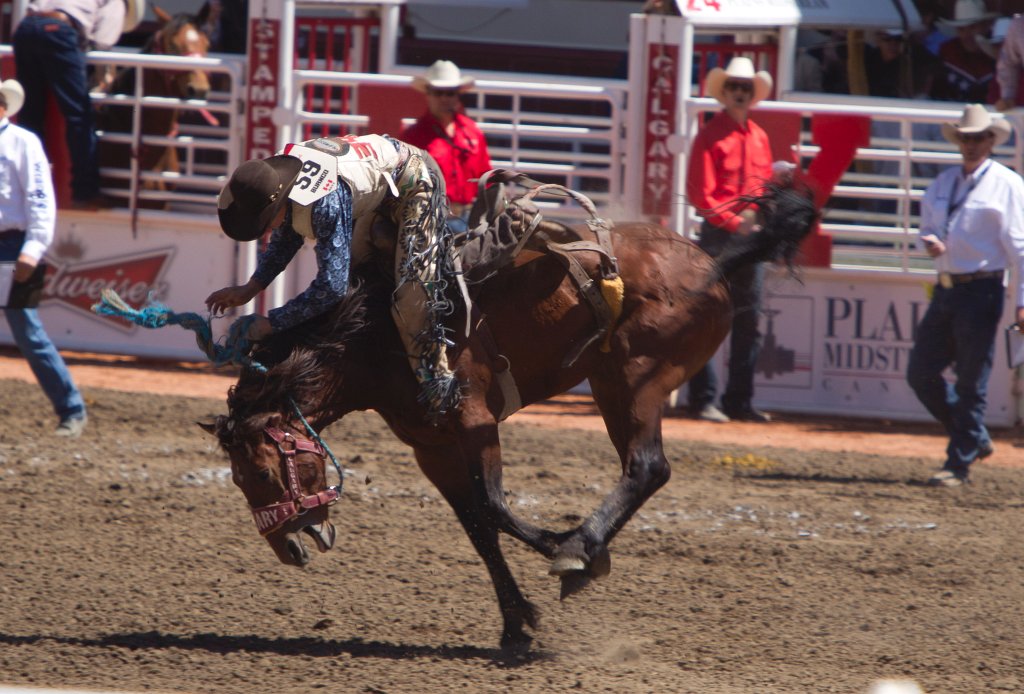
{"x":283,"y":245}
{"x":332,"y":226}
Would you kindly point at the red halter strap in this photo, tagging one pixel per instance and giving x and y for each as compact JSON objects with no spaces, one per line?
{"x":294,"y":503}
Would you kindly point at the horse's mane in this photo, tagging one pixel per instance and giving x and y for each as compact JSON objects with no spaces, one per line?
{"x":302,"y":362}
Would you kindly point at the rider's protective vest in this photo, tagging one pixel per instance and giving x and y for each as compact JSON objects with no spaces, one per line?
{"x":369,"y":164}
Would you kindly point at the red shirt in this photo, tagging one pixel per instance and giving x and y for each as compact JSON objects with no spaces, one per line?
{"x":463,"y":158}
{"x":727,"y":160}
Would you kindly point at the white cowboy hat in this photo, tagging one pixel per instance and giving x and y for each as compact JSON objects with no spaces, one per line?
{"x":136,"y":10}
{"x":443,"y":74}
{"x":968,"y":12}
{"x":976,"y":119}
{"x":14,"y":95}
{"x":738,"y":69}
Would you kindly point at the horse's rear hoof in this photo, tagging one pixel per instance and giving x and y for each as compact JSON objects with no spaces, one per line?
{"x":564,"y":566}
{"x":516,"y":645}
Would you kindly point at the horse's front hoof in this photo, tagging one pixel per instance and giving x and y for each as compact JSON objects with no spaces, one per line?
{"x":601,"y":563}
{"x":573,"y":583}
{"x":564,"y":566}
{"x":597,"y":566}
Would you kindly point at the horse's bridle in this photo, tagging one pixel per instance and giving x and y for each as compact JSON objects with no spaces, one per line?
{"x":294,"y":503}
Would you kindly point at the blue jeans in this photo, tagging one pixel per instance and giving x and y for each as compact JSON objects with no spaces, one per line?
{"x":47,"y":55}
{"x":35,"y":345}
{"x":959,"y":328}
{"x":745,"y":340}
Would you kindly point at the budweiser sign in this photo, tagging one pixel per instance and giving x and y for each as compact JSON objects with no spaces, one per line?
{"x":136,"y":278}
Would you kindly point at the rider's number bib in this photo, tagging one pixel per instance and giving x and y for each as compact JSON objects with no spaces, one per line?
{"x":317,"y":177}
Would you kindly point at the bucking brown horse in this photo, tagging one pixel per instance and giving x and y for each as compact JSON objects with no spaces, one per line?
{"x":530,"y":321}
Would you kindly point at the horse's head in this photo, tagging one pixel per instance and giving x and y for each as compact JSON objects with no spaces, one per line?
{"x":276,"y":459}
{"x":180,"y":35}
{"x":282,"y":473}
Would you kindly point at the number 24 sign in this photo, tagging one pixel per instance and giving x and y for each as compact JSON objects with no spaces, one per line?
{"x":698,"y":5}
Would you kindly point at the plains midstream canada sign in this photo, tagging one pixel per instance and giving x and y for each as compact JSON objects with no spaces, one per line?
{"x":838,"y":344}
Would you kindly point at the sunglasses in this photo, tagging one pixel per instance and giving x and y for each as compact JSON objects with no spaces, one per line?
{"x":443,"y":92}
{"x":739,"y":86}
{"x":974,"y":137}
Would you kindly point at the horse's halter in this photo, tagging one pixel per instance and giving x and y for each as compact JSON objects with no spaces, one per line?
{"x":294,"y":503}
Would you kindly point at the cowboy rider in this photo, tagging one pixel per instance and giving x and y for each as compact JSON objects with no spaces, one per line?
{"x":328,"y":190}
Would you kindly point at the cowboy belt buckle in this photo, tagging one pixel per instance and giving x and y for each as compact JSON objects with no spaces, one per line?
{"x":945,"y":280}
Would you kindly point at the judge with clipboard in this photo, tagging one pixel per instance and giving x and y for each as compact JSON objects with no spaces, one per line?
{"x":27,"y":217}
{"x":972,"y":225}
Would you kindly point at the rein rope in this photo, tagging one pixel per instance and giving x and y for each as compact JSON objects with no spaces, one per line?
{"x":235,"y":351}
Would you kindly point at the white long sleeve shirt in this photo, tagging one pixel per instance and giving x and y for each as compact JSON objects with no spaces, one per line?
{"x":102,"y":21}
{"x":980,"y":218}
{"x":26,"y":189}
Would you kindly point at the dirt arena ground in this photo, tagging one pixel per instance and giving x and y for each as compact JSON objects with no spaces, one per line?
{"x":803,"y":556}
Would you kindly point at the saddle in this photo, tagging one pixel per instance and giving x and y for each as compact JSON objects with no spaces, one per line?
{"x":500,"y":228}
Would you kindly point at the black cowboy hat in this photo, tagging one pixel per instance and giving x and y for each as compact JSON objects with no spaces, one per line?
{"x":254,"y":195}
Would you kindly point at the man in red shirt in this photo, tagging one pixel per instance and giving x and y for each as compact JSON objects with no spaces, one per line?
{"x":451,"y":137}
{"x":731,"y":157}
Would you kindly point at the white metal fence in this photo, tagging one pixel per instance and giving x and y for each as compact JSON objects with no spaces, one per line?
{"x":206,"y":138}
{"x":872,"y":215}
{"x":560,"y":132}
{"x":566,"y":132}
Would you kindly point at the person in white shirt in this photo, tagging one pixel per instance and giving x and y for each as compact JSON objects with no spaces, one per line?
{"x":27,"y":217}
{"x":49,"y":54}
{"x":1008,"y":66}
{"x":972,"y":224}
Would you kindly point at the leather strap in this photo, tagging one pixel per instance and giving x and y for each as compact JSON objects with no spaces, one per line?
{"x":501,"y":368}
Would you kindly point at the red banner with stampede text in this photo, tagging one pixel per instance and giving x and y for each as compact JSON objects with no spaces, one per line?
{"x":263,"y":85}
{"x":660,"y":99}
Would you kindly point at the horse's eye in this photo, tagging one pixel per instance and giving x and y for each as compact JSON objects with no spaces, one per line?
{"x":265,"y":475}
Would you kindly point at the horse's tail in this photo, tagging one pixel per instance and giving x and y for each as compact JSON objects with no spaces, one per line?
{"x":788,"y":216}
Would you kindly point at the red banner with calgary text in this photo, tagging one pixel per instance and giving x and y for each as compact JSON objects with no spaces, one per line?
{"x":660,"y":99}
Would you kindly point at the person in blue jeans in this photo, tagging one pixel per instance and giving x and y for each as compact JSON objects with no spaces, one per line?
{"x":49,"y":54}
{"x":972,"y":224}
{"x":730,"y":159}
{"x":27,"y":217}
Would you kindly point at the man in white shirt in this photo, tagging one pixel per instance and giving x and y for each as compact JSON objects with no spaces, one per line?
{"x":27,"y":217}
{"x":972,"y":224}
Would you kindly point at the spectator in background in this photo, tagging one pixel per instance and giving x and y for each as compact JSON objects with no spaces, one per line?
{"x":884,"y":65}
{"x":225,"y":23}
{"x":898,"y":68}
{"x":967,"y":68}
{"x":972,"y":224}
{"x":831,"y":55}
{"x":27,"y":215}
{"x":450,"y":136}
{"x":1008,"y":67}
{"x":931,"y":37}
{"x":731,"y":157}
{"x":49,"y":54}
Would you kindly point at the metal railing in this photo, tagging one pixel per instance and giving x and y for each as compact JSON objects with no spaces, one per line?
{"x":872,"y":215}
{"x":561,"y":133}
{"x":206,"y":140}
{"x":207,"y":153}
